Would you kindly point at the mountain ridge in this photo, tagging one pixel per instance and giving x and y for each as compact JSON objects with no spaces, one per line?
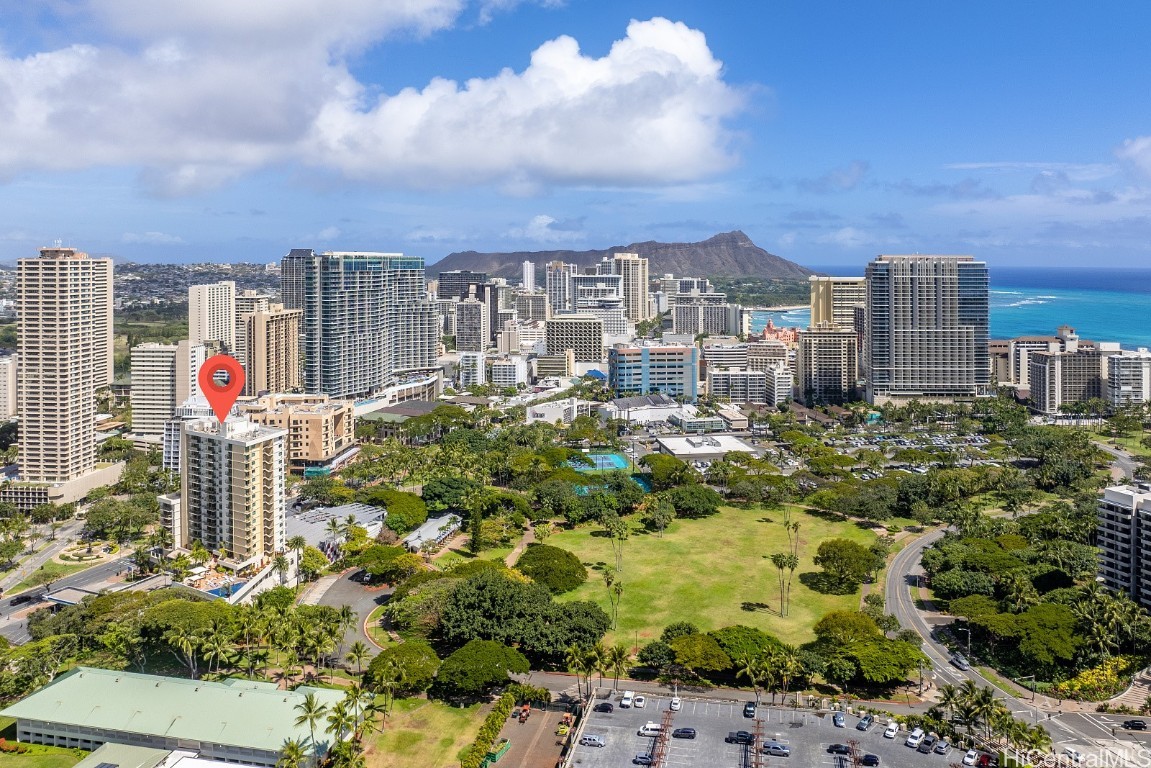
{"x":728,"y":254}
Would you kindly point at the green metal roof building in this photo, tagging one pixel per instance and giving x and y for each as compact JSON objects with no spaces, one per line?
{"x":239,"y":721}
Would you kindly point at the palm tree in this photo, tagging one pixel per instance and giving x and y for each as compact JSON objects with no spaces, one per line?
{"x":751,"y":667}
{"x":582,"y":662}
{"x":949,"y":698}
{"x":356,"y":655}
{"x":340,"y":722}
{"x":311,"y":711}
{"x":297,"y":544}
{"x":186,"y":645}
{"x":619,"y":657}
{"x":281,"y":564}
{"x":199,"y":553}
{"x":787,"y":666}
{"x":292,"y":754}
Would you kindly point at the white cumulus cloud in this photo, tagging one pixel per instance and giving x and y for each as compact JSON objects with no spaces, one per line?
{"x":545,"y":229}
{"x":194,"y":94}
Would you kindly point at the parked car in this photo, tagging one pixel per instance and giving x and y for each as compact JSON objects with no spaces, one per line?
{"x":864,"y":723}
{"x":928,"y":743}
{"x":970,"y":757}
{"x":942,"y":747}
{"x":625,"y":702}
{"x":740,"y":737}
{"x":675,"y":704}
{"x":1135,"y":725}
{"x":839,"y":749}
{"x":837,"y":720}
{"x":776,"y":749}
{"x":683,"y":733}
{"x":869,"y":759}
{"x":639,"y":702}
{"x":892,"y":730}
{"x":604,"y":706}
{"x":592,"y":741}
{"x":643,"y":760}
{"x":749,"y":709}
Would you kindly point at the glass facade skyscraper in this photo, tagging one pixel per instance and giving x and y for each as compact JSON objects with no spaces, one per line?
{"x":367,"y":321}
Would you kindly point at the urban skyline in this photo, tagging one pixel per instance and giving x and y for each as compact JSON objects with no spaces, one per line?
{"x":984,"y":146}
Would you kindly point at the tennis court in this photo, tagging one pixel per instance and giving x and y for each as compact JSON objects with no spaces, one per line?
{"x":604,"y":462}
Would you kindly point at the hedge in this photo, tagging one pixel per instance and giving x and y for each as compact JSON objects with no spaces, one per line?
{"x":489,"y":732}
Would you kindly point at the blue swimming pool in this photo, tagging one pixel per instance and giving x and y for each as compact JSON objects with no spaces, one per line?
{"x":227,"y":590}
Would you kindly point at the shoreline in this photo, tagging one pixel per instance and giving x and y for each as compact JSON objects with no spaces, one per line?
{"x":788,"y":308}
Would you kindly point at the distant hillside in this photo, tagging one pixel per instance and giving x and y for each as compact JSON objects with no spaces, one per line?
{"x":730,"y":254}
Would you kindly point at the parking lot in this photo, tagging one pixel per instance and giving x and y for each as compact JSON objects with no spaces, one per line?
{"x":807,"y":734}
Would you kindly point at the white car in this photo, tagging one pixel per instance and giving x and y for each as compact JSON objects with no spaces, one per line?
{"x":675,"y":704}
{"x":892,"y":729}
{"x":639,"y":702}
{"x":1073,"y":755}
{"x":970,"y":757}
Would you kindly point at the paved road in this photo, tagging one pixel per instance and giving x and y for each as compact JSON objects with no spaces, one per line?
{"x":1086,"y":732}
{"x":65,"y":536}
{"x":364,"y":600}
{"x":1121,"y":459}
{"x":14,"y":625}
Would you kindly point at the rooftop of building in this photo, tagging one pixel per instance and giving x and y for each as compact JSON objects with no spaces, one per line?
{"x":402,"y":411}
{"x":703,"y":445}
{"x":312,"y":524}
{"x":112,"y":755}
{"x":242,"y":713}
{"x":658,"y":400}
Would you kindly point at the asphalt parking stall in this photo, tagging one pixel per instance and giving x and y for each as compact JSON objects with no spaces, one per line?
{"x":807,"y":734}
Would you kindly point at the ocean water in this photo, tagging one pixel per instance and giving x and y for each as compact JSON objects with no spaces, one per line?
{"x":1100,"y":304}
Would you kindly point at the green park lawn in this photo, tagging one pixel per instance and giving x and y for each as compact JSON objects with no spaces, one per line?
{"x":712,"y":572}
{"x":451,"y":557}
{"x":424,"y":734}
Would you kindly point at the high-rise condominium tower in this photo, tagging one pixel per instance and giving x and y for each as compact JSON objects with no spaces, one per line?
{"x":247,"y":302}
{"x":633,"y":269}
{"x":212,"y":314}
{"x":926,"y":335}
{"x":64,"y":338}
{"x":367,"y":321}
{"x":292,"y":268}
{"x":232,"y":495}
{"x":558,"y":285}
{"x":529,"y":276}
{"x":163,"y":376}
{"x":272,"y":341}
{"x":835,"y":299}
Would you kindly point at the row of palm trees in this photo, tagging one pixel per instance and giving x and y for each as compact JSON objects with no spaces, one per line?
{"x":587,"y":661}
{"x":347,"y":722}
{"x":979,"y":711}
{"x":255,"y":636}
{"x":774,"y":670}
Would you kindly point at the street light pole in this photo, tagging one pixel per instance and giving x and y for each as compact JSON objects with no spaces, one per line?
{"x":968,"y":631}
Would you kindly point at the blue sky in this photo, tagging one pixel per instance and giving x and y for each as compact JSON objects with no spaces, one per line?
{"x":829,"y":132}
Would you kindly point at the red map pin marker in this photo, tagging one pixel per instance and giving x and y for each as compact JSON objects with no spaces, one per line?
{"x":221,"y":396}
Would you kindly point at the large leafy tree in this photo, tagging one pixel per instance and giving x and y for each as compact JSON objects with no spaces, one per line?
{"x":477,"y":667}
{"x":845,"y":564}
{"x":557,"y":569}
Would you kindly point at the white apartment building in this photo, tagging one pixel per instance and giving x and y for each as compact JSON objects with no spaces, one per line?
{"x":583,"y":334}
{"x":190,"y":409}
{"x":153,"y":395}
{"x":725,"y":355}
{"x":737,"y":386}
{"x":64,"y":343}
{"x":528,"y":281}
{"x":232,"y":496}
{"x":472,"y":369}
{"x":212,"y":314}
{"x":559,"y":287}
{"x":762,"y":355}
{"x":1123,"y":536}
{"x":1129,"y":378}
{"x":633,"y":269}
{"x":8,"y":365}
{"x":509,"y":371}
